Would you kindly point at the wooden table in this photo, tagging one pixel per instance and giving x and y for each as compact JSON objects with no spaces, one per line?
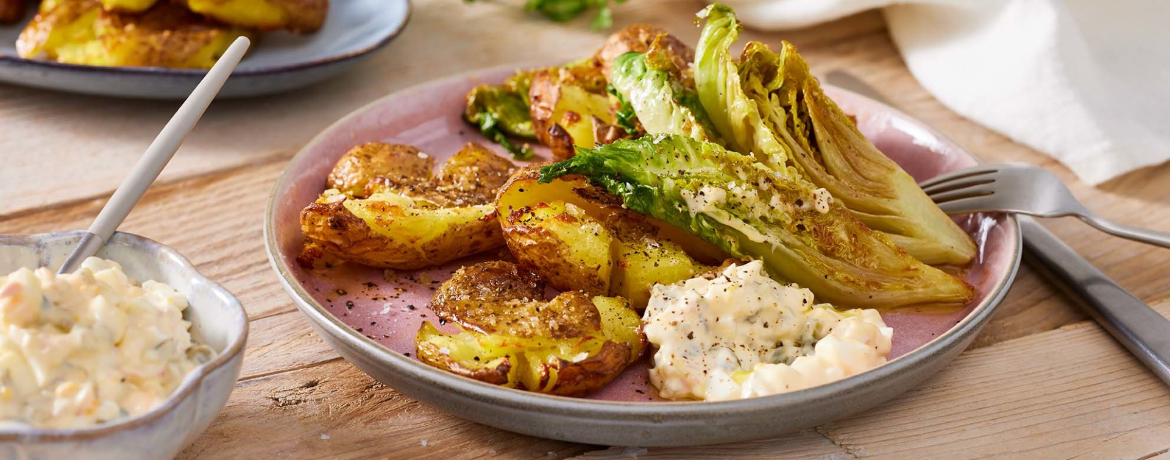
{"x":1040,"y":382}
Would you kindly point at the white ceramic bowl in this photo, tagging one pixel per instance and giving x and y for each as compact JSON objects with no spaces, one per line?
{"x":217,"y":320}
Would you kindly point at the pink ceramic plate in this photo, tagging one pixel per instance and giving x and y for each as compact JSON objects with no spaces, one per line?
{"x":371,"y":316}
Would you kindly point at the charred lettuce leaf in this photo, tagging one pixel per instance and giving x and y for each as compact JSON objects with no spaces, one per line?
{"x":773,"y":108}
{"x":502,"y":111}
{"x":662,"y":95}
{"x":717,"y":83}
{"x":800,"y":232}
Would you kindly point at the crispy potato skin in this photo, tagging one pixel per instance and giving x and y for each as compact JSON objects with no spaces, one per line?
{"x":487,"y":282}
{"x":11,"y":11}
{"x":473,"y":176}
{"x":466,"y":182}
{"x":166,"y":35}
{"x":401,"y":164}
{"x":299,"y":16}
{"x":572,"y":250}
{"x":638,"y":38}
{"x":509,"y":307}
{"x":578,"y":237}
{"x":522,"y":341}
{"x":543,"y":95}
{"x":568,"y":105}
{"x":500,"y":298}
{"x":128,"y":6}
{"x":586,"y":376}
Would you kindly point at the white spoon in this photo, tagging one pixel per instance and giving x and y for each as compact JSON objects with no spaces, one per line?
{"x":156,"y":157}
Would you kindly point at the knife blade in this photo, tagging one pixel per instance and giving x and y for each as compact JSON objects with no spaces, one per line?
{"x":1140,"y":329}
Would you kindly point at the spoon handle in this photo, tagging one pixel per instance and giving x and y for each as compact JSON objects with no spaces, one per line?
{"x":156,"y":157}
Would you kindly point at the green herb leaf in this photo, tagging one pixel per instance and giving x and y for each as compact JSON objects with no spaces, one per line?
{"x":489,"y":128}
{"x":625,"y":117}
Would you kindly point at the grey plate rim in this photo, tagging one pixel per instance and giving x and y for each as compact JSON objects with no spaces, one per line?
{"x":609,"y":411}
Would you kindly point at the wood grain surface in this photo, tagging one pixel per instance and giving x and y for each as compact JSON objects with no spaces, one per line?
{"x":1039,"y":382}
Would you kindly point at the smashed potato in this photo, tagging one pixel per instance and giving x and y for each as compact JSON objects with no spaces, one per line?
{"x":570,"y":345}
{"x":300,"y":16}
{"x":569,"y":105}
{"x":128,"y":6}
{"x":576,"y":238}
{"x":384,"y":209}
{"x":167,"y":35}
{"x":638,"y":38}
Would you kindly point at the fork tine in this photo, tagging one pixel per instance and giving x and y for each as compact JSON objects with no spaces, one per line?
{"x":969,"y":205}
{"x":962,"y":173}
{"x":956,"y":184}
{"x":968,"y":192}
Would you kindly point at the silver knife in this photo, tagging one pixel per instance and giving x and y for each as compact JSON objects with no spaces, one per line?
{"x":1142,"y":331}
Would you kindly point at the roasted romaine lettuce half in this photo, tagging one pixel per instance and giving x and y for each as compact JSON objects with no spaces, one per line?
{"x":655,"y":90}
{"x":769,"y":104}
{"x":734,"y":115}
{"x":799,"y":231}
{"x":502,"y":111}
{"x":508,"y":335}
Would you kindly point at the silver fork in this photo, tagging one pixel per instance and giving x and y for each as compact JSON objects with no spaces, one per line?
{"x":1023,"y":189}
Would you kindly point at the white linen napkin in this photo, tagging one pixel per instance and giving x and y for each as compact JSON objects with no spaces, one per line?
{"x":1085,"y":81}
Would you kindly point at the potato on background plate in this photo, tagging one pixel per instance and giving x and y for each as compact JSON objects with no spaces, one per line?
{"x":294,"y":15}
{"x":168,"y":35}
{"x":299,"y":16}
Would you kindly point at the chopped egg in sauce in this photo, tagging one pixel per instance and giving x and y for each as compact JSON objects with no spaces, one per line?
{"x":101,"y":348}
{"x":739,"y":334}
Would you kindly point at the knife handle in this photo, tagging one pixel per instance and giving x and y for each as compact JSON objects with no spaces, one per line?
{"x":1129,"y":320}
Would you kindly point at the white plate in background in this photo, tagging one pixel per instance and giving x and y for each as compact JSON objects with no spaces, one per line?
{"x":279,"y":61}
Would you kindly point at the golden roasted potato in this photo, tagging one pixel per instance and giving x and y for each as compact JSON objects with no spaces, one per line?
{"x":644,"y":259}
{"x":359,"y":167}
{"x":578,"y":238}
{"x":558,"y":239}
{"x":167,"y":35}
{"x":127,"y":6}
{"x":638,"y":38}
{"x":571,"y":345}
{"x":384,"y":209}
{"x":11,"y":11}
{"x":294,"y":15}
{"x":568,"y":105}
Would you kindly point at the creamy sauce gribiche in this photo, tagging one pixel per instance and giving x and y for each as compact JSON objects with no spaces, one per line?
{"x":741,"y":334}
